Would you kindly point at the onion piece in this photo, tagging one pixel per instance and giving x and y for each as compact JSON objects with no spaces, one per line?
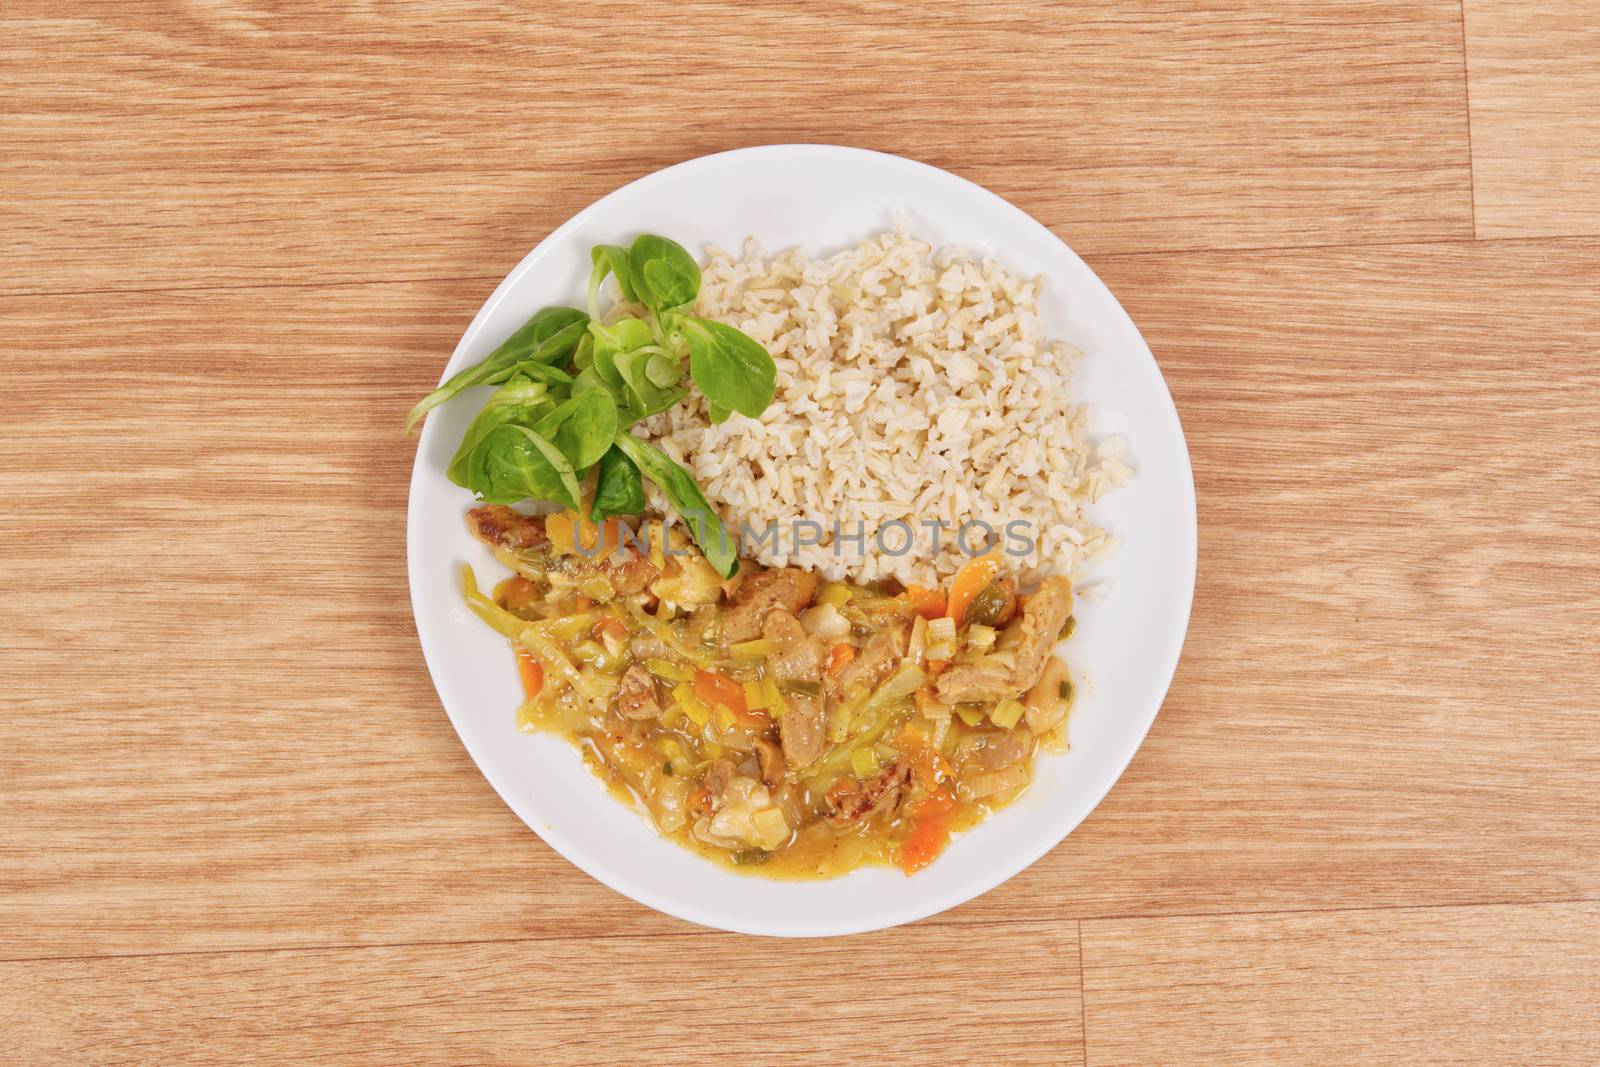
{"x":824,"y":620}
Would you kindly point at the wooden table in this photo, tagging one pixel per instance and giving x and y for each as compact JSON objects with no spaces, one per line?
{"x":1363,"y":240}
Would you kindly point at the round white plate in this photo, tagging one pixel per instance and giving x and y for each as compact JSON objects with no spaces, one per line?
{"x":825,"y":198}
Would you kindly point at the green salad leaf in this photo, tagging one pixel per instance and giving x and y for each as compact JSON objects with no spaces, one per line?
{"x":525,"y":465}
{"x":618,"y":489}
{"x":612,"y":260}
{"x":582,"y":427}
{"x":678,"y":486}
{"x":731,"y":369}
{"x":572,"y":384}
{"x":664,"y":273}
{"x":548,"y":338}
{"x":643,"y":396}
{"x":544,"y":373}
{"x":518,"y":402}
{"x":613,"y":341}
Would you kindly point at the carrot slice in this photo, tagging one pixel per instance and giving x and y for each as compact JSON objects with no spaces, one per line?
{"x":517,"y":592}
{"x":910,"y":739}
{"x":613,"y":626}
{"x":532,"y":672}
{"x":716,"y":688}
{"x":930,"y":832}
{"x":928,"y":838}
{"x":929,"y":603}
{"x":928,"y":765}
{"x":937,"y":803}
{"x":971,"y":580}
{"x":839,"y":657}
{"x":700,"y":800}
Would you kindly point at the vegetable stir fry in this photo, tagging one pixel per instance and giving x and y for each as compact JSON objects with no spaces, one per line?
{"x":768,"y":719}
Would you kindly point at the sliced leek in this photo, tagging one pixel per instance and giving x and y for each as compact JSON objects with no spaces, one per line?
{"x":1006,"y":714}
{"x":692,"y":706}
{"x":750,"y":651}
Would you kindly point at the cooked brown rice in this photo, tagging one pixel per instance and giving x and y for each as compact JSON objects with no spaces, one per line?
{"x":912,"y":386}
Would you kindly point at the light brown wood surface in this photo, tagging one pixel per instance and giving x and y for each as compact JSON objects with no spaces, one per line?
{"x":344,"y":145}
{"x":629,"y":998}
{"x":1535,"y":89}
{"x":1492,"y":984}
{"x":237,"y":825}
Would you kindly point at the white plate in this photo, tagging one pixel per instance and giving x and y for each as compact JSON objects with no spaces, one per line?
{"x":824,"y":198}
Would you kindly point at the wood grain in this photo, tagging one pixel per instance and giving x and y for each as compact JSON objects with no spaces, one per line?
{"x":224,"y":144}
{"x":221,"y":733}
{"x":1507,"y":984}
{"x":1535,"y":86}
{"x":1006,"y":995}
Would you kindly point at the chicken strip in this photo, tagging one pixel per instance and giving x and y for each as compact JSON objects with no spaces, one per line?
{"x":1026,"y":643}
{"x":788,"y":588}
{"x":499,"y":526}
{"x":797,"y":666}
{"x":636,"y":694}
